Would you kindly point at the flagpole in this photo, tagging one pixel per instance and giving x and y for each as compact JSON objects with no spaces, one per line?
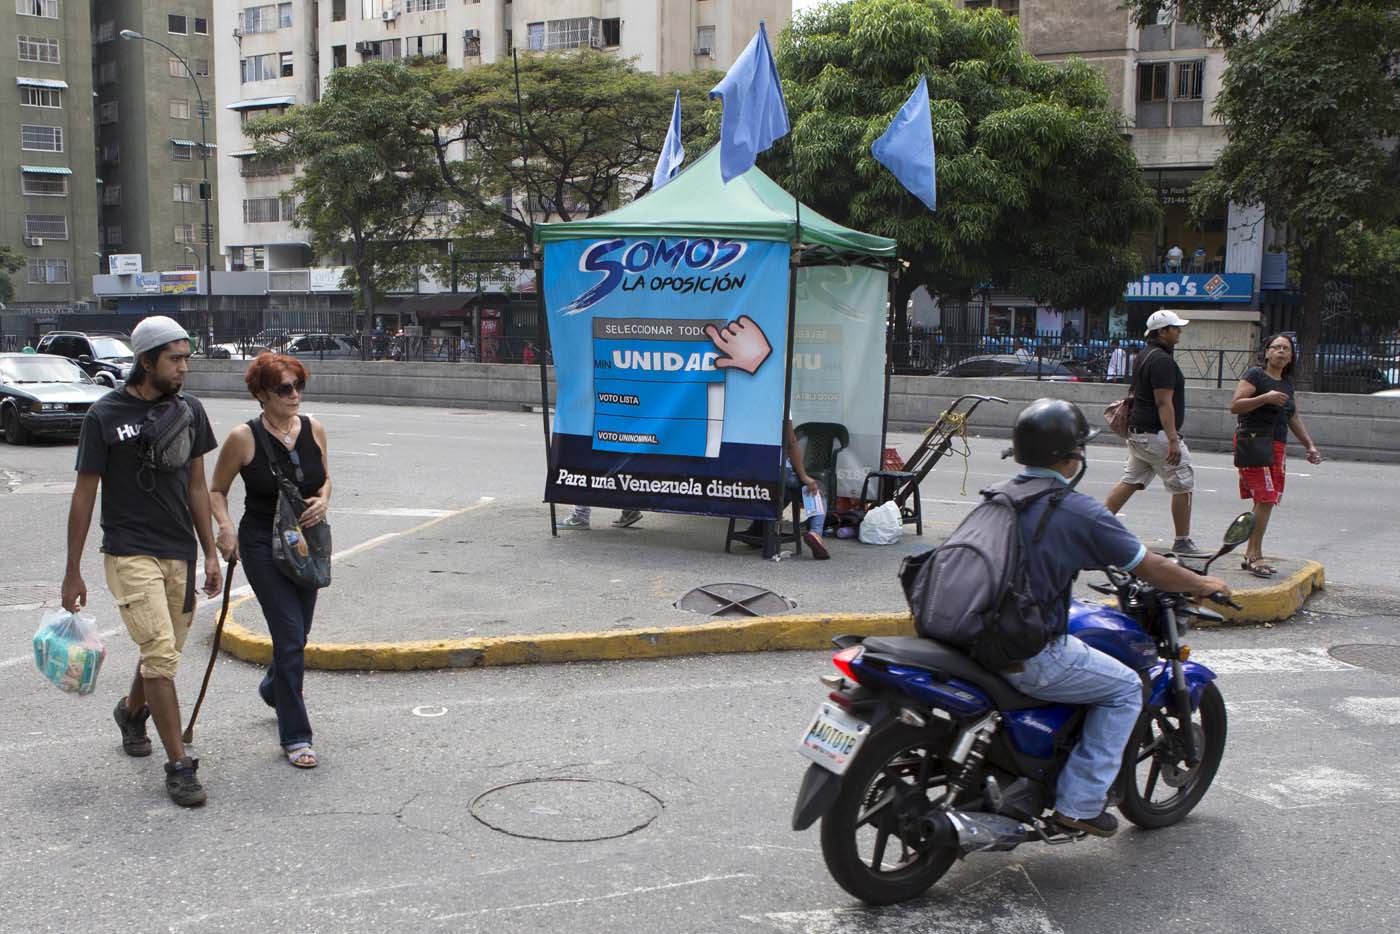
{"x":893,"y":292}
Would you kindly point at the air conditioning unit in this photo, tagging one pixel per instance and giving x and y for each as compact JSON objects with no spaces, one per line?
{"x":364,"y":48}
{"x":471,"y":34}
{"x":705,"y":50}
{"x":389,"y":15}
{"x":595,"y":42}
{"x":35,"y":241}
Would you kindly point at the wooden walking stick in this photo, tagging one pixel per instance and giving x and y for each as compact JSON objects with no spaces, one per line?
{"x":214,"y":652}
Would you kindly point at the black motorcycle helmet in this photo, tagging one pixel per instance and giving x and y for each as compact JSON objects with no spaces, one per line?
{"x":1047,"y":431}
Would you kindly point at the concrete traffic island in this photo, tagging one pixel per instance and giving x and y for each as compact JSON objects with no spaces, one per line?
{"x":489,"y":587}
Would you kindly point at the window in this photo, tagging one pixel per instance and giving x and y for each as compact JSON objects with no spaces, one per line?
{"x":534,"y":33}
{"x":48,"y":271}
{"x":184,"y":192}
{"x":267,"y":210}
{"x":612,"y":32}
{"x":35,"y":49}
{"x":259,"y":67}
{"x":181,"y":153}
{"x":114,"y":235}
{"x":111,"y":152}
{"x":46,"y":226}
{"x":41,"y":138}
{"x":48,"y":9}
{"x":51,"y":98}
{"x":426,"y":46}
{"x":267,"y":18}
{"x":1152,"y":82}
{"x":201,"y":26}
{"x":44,"y":185}
{"x":247,"y":257}
{"x":383,"y":50}
{"x":284,"y":15}
{"x":337,"y":11}
{"x":111,"y":195}
{"x":1190,"y":79}
{"x":705,"y":40}
{"x":286,"y":64}
{"x":424,"y":6}
{"x":107,"y":73}
{"x":107,"y":113}
{"x":201,"y":67}
{"x":176,"y":24}
{"x":106,"y":31}
{"x":179,"y":108}
{"x":573,"y":33}
{"x":337,"y":57}
{"x":250,"y":167}
{"x":184,"y":233}
{"x":177,"y":68}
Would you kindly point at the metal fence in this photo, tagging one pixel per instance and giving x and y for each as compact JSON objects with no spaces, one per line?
{"x":393,"y":348}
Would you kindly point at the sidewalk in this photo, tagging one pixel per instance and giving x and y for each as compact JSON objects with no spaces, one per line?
{"x":491,"y":587}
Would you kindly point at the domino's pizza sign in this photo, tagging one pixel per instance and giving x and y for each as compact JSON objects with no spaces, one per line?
{"x":1205,"y":288}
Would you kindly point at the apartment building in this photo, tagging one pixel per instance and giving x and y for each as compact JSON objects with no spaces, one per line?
{"x":48,"y":181}
{"x":153,"y":143}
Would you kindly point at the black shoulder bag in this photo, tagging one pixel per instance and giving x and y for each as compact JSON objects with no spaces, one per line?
{"x":303,"y":555}
{"x":1255,"y":447}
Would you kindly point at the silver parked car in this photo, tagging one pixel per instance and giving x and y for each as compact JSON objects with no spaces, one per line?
{"x":321,"y":347}
{"x":43,"y":394}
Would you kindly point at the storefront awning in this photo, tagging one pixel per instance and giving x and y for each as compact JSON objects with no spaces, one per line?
{"x":244,"y":154}
{"x":45,"y":170}
{"x":42,"y":83}
{"x":439,"y":305}
{"x":257,"y":103}
{"x":191,"y":143}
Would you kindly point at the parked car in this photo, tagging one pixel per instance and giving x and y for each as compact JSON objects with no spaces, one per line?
{"x":105,"y":357}
{"x":1352,"y":378}
{"x":1016,"y":366}
{"x":43,"y":394}
{"x":321,"y":347}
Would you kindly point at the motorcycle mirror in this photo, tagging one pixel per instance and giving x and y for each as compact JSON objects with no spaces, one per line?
{"x":1239,"y":531}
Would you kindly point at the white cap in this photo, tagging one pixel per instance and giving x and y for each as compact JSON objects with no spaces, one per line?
{"x":156,"y":331}
{"x":1164,"y":319}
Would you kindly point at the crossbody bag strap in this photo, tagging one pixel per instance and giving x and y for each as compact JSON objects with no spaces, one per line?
{"x":254,"y":424}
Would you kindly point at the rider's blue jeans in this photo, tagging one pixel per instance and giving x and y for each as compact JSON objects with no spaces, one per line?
{"x":1069,"y":671}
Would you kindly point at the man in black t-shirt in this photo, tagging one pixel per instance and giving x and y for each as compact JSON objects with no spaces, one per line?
{"x":151,"y":517}
{"x":1155,"y":445}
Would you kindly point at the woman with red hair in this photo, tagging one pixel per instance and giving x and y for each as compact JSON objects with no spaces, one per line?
{"x":298,"y":444}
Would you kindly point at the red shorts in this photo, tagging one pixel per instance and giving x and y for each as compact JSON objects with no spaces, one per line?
{"x":1264,"y":484}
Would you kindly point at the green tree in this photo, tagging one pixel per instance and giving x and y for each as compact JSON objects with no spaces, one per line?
{"x":1310,"y":108}
{"x":366,"y":177}
{"x":1370,"y":259}
{"x":10,"y":262}
{"x":592,"y":126}
{"x":1230,"y":21}
{"x":1037,"y":191}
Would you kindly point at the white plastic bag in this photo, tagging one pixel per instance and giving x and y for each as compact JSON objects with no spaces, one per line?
{"x":882,"y":525}
{"x":68,"y":651}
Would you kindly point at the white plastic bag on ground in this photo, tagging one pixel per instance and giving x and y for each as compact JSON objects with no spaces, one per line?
{"x":882,"y":525}
{"x":68,"y":651}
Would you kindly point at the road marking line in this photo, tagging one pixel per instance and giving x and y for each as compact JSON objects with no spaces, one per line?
{"x":622,"y":893}
{"x":405,"y":513}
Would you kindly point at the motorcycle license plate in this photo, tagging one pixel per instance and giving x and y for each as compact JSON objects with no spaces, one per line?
{"x":833,"y":738}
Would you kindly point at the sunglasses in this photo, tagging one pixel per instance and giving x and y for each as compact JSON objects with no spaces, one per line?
{"x":296,"y":465}
{"x":285,"y":390}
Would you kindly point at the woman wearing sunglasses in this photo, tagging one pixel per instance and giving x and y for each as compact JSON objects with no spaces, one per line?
{"x":298,"y":442}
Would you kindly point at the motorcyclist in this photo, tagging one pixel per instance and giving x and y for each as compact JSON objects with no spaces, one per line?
{"x":1080,"y":534}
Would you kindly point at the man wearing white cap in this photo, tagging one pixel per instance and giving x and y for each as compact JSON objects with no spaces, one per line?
{"x":144,"y":444}
{"x":1155,"y":445}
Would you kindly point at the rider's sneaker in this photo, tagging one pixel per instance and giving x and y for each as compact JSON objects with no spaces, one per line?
{"x":1184,"y":546}
{"x":1105,"y":825}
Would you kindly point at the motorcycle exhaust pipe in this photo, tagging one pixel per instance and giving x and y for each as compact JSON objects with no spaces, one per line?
{"x":976,"y":831}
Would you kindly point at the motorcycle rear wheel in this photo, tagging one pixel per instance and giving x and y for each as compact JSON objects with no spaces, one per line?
{"x":895,"y":780}
{"x":1153,"y":761}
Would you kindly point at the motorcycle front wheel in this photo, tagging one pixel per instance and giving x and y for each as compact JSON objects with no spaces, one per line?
{"x":872,"y":838}
{"x":1157,"y":788}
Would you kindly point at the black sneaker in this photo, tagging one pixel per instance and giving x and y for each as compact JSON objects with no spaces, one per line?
{"x":1105,"y":825}
{"x":182,"y":785}
{"x":135,"y":742}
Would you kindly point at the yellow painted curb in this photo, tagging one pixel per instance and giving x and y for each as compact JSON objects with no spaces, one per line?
{"x":1276,"y":601}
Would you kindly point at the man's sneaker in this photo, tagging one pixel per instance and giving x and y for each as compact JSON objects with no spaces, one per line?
{"x":182,"y":785}
{"x":135,"y":742}
{"x":1105,"y":825}
{"x":1184,"y":546}
{"x":629,"y":517}
{"x":814,"y":542}
{"x":574,"y":522}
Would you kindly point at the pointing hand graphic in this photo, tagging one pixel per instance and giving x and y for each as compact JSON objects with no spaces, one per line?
{"x":743,"y":342}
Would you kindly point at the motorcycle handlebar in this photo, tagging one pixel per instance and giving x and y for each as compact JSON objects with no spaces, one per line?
{"x":1220,"y":598}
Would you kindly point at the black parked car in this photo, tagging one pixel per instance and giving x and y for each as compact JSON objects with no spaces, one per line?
{"x":43,"y":394}
{"x":103,"y":356}
{"x":1016,"y":366}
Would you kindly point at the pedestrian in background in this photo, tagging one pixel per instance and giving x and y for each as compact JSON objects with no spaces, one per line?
{"x":1155,"y":445}
{"x":1117,"y":363}
{"x":298,"y":442}
{"x":155,"y":504}
{"x":1263,"y":402}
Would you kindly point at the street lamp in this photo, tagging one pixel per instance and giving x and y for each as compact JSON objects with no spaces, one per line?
{"x":205,"y":190}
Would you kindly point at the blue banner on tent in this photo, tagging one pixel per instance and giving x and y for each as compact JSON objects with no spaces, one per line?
{"x":669,"y":358}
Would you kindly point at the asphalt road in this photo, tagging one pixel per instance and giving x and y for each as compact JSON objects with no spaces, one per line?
{"x":435,"y":787}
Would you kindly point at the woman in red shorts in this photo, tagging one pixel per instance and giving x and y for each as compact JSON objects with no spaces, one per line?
{"x":1263,"y":401}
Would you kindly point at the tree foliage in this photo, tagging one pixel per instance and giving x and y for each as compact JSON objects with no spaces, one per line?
{"x":1037,"y":190}
{"x":1230,"y":21}
{"x":1370,"y":259}
{"x":10,"y":262}
{"x":366,"y":177}
{"x":1310,"y":108}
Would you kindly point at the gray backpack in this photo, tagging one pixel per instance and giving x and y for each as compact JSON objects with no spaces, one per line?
{"x":971,"y":592}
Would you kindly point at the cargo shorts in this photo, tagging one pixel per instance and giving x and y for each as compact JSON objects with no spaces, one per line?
{"x":1147,"y":458}
{"x":151,"y":594}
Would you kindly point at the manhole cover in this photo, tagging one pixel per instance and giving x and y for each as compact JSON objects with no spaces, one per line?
{"x":734,"y":600}
{"x":28,"y":595}
{"x":566,"y":810}
{"x":1375,"y":656}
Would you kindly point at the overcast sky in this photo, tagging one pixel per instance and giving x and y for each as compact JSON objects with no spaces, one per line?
{"x":803,"y":4}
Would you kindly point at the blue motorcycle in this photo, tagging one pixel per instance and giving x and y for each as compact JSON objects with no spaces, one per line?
{"x":921,"y":756}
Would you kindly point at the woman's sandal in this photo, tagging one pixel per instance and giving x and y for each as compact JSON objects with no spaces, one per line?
{"x":303,"y":757}
{"x":1258,"y":568}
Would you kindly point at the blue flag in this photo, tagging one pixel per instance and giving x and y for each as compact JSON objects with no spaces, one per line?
{"x":755,"y":114}
{"x":906,"y":147}
{"x":668,"y":164}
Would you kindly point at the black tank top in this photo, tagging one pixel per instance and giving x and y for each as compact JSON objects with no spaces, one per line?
{"x":260,"y":487}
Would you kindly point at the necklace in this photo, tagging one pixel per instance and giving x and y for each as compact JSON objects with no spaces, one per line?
{"x":286,"y":432}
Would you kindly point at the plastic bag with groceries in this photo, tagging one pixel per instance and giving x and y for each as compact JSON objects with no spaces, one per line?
{"x":68,"y":651}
